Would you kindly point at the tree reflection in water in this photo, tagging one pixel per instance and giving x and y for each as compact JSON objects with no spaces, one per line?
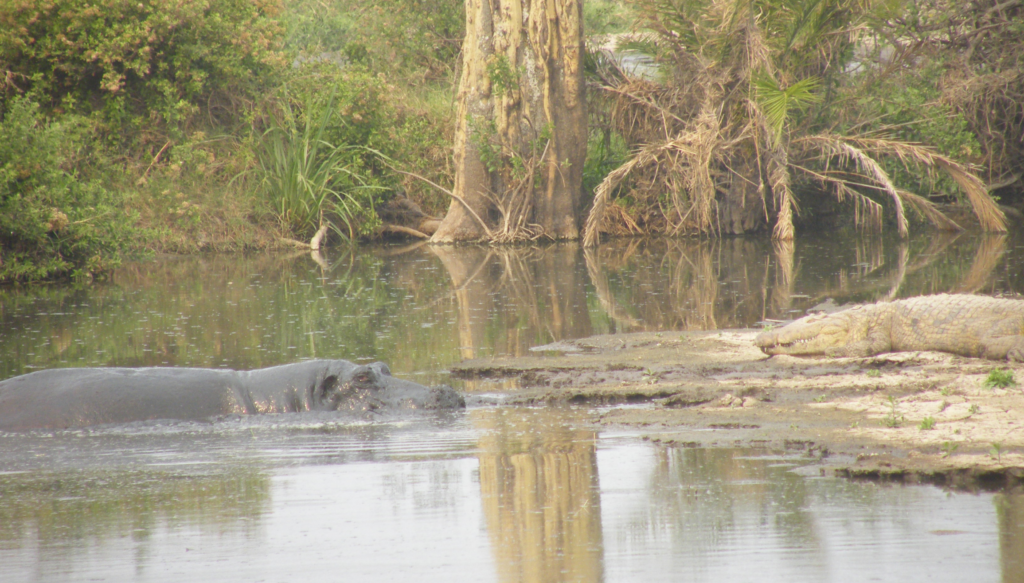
{"x":540,"y":493}
{"x":420,"y":308}
{"x":513,"y":298}
{"x":1010,"y":512}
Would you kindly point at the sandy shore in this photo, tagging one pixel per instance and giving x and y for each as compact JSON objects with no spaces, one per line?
{"x":863,"y":417}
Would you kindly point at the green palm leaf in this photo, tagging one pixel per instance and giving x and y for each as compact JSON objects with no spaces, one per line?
{"x":777,"y":103}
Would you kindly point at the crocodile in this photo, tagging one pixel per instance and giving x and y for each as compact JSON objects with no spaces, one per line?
{"x":967,"y":325}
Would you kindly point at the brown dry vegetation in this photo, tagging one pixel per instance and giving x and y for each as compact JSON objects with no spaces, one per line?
{"x":979,"y":43}
{"x":746,"y":116}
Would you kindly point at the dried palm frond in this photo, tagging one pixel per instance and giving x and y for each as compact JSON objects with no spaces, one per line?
{"x":929,"y":211}
{"x":988,"y":213}
{"x":700,"y":186}
{"x":758,"y":55}
{"x":686,"y":162}
{"x":775,"y":156}
{"x":986,"y":209}
{"x":835,"y":146}
{"x":644,"y":111}
{"x":778,"y":176}
{"x":603,"y":192}
{"x":867,"y":213}
{"x":602,"y":198}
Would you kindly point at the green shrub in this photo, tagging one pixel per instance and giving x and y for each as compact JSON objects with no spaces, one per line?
{"x":52,"y":223}
{"x":909,"y":108}
{"x":146,"y":67}
{"x":421,"y":39}
{"x":606,"y":17}
{"x":606,"y":151}
{"x":373,"y":126}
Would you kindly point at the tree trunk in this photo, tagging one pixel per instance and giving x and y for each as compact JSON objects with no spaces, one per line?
{"x":521,"y":137}
{"x":741,"y":208}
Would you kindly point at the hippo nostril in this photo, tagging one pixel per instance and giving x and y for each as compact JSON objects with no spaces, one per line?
{"x":445,"y":397}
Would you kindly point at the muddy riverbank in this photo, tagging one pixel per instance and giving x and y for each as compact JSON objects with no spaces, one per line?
{"x":913,"y":417}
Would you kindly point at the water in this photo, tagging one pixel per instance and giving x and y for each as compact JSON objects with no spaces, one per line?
{"x":491,"y":493}
{"x":421,"y":308}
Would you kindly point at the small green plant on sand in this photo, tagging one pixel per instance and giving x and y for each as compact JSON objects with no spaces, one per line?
{"x":927,"y":423}
{"x":974,"y":409}
{"x":949,"y":448}
{"x":1000,"y":378}
{"x":874,"y":373}
{"x":894,"y":418}
{"x":947,"y":391}
{"x":996,"y":451}
{"x":820,"y":399}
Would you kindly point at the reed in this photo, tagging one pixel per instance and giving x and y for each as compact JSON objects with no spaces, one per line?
{"x":307,"y":179}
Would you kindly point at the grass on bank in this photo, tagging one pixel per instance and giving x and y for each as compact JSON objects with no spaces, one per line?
{"x":307,"y":179}
{"x":156,"y":125}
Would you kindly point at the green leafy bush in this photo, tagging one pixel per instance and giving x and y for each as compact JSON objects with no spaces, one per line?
{"x":421,"y":36}
{"x":416,"y":38}
{"x":999,"y":378}
{"x":606,"y":16}
{"x":909,"y":108}
{"x":52,"y":222}
{"x":141,"y":66}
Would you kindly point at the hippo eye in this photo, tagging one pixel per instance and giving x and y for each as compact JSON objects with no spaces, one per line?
{"x":362,"y":377}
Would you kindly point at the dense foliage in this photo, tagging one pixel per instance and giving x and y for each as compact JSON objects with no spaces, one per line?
{"x":144,"y":67}
{"x":968,"y":60}
{"x":103,"y":97}
{"x":53,"y":222}
{"x":165,"y":115}
{"x":153,"y":124}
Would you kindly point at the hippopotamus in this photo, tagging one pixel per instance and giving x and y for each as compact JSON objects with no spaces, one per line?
{"x":80,"y":397}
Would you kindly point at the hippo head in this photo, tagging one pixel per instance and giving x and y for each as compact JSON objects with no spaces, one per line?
{"x":371,"y":387}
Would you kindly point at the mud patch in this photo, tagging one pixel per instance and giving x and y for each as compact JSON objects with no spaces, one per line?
{"x":915,"y":416}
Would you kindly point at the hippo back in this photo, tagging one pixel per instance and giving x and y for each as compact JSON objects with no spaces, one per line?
{"x":80,"y":397}
{"x":73,"y":397}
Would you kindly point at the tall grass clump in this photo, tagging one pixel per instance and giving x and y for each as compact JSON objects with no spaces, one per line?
{"x":309,"y":180}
